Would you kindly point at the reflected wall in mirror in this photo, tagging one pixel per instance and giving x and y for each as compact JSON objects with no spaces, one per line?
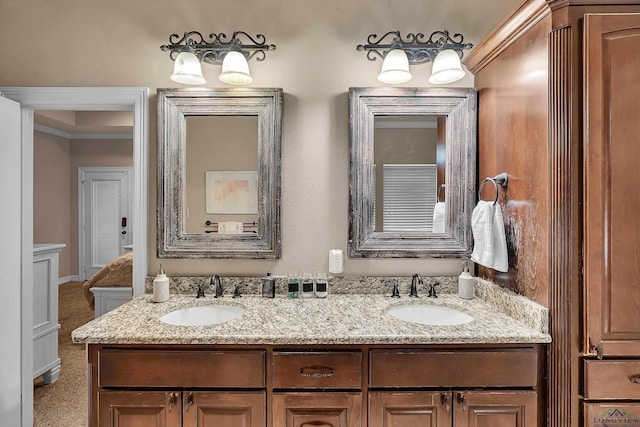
{"x":219,"y":173}
{"x":219,"y":147}
{"x":409,"y":161}
{"x":412,"y":172}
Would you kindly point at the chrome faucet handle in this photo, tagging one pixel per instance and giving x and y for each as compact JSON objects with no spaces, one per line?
{"x":395,"y":293}
{"x":216,"y":283}
{"x":415,"y":280}
{"x":200,"y":289}
{"x":237,"y":291}
{"x":432,"y":290}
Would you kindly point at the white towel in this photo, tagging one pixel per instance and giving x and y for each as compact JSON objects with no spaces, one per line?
{"x":490,"y":241}
{"x":230,"y":227}
{"x":439,"y":218}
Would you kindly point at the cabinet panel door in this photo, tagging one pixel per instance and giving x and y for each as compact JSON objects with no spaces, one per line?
{"x":228,"y":409}
{"x":317,"y":410}
{"x":611,"y":414}
{"x":424,"y":409}
{"x":139,"y":409}
{"x":611,"y":182}
{"x":495,"y":409}
{"x":612,"y":379}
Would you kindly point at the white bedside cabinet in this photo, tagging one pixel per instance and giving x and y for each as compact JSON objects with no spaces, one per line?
{"x":45,"y":311}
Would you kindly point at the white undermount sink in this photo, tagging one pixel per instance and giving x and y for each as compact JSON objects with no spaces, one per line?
{"x":429,"y":314}
{"x":202,"y":315}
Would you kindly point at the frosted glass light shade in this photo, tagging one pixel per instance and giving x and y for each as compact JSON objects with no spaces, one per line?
{"x":187,"y":69}
{"x":395,"y":68}
{"x":446,"y":68}
{"x":235,"y":69}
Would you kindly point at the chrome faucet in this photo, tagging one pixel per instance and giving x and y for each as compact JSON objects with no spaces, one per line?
{"x":217,"y":284}
{"x":414,"y":285}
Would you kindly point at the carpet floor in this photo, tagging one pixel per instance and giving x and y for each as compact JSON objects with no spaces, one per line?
{"x":64,"y":402}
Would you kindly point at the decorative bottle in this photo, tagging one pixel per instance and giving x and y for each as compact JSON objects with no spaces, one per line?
{"x":268,"y":286}
{"x":160,"y":287}
{"x":307,"y":286}
{"x":293,"y":285}
{"x":322,"y":285}
{"x":465,"y":283}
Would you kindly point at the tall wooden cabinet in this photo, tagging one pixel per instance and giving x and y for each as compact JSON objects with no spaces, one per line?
{"x":559,"y":111}
{"x":611,"y":220}
{"x":612,"y":185}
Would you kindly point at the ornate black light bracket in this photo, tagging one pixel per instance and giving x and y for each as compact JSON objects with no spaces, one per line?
{"x":213,"y":48}
{"x":418,"y":48}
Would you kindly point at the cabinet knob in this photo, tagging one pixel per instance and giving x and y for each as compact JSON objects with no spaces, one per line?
{"x":172,"y":400}
{"x":446,"y":401}
{"x":188,"y":401}
{"x":462,"y":400}
{"x":316,"y":371}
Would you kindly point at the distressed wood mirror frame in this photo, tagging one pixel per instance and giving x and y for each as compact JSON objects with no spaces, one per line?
{"x":459,"y":107}
{"x":174,"y":106}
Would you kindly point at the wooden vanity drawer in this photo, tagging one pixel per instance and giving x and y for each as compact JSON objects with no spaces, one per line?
{"x":139,"y":368}
{"x":481,"y":368}
{"x":317,"y":370}
{"x":612,"y":379}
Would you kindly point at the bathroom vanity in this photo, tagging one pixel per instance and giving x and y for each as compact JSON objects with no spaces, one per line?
{"x":339,"y":361}
{"x":341,"y":385}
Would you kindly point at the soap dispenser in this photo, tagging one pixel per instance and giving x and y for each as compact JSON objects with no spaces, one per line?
{"x":465,"y":283}
{"x":160,"y":287}
{"x":268,"y":286}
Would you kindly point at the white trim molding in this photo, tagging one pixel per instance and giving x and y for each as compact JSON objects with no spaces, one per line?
{"x":69,"y":135}
{"x":134,"y":99}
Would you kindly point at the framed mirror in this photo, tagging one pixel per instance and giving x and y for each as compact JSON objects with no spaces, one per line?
{"x":412,"y":172}
{"x":219,"y":173}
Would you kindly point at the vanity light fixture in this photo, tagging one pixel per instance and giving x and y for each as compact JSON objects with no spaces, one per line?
{"x":397,"y":52}
{"x":190,"y":50}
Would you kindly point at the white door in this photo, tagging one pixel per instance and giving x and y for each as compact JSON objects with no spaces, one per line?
{"x":10,"y":263}
{"x":104,"y":226}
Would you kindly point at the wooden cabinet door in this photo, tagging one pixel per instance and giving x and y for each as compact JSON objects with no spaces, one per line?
{"x":317,"y":409}
{"x":495,"y":409}
{"x":139,"y":409}
{"x":228,"y":409}
{"x":611,"y":414}
{"x":611,"y":182}
{"x":424,"y":409}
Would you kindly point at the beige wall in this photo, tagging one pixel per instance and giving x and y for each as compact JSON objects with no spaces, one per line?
{"x":116,"y":43}
{"x":52,"y":196}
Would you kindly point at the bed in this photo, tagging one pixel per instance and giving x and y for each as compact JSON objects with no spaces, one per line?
{"x":111,"y":286}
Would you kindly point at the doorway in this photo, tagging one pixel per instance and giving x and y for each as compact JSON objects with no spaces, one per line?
{"x":104,"y":230}
{"x":87,"y":99}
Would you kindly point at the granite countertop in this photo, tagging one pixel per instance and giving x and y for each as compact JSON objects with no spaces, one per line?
{"x":337,"y":319}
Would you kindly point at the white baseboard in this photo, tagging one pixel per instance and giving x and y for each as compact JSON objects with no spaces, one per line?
{"x":66,"y":279}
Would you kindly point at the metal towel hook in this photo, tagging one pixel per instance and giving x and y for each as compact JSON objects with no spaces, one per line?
{"x":500,"y":179}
